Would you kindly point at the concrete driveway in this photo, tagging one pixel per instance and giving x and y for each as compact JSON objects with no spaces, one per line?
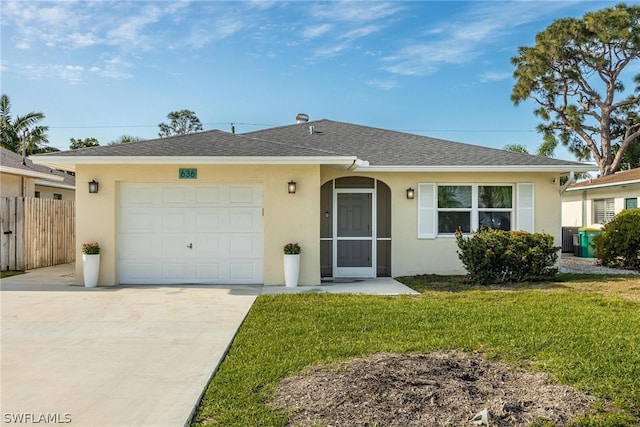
{"x":123,"y":356}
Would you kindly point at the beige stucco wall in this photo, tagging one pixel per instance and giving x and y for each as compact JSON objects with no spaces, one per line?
{"x":295,"y":217}
{"x":16,"y":185}
{"x":410,"y":255}
{"x":287,"y":217}
{"x":579,"y":202}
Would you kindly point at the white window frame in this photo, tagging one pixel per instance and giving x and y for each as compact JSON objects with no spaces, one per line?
{"x":608,"y":210}
{"x":521,"y":211}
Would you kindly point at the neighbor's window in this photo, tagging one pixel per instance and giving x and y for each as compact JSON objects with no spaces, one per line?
{"x":631,"y":203}
{"x":37,"y":195}
{"x":469,"y":207}
{"x":57,"y":196}
{"x":603,"y":211}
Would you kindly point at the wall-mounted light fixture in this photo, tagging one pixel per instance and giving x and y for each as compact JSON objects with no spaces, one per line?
{"x":93,"y":186}
{"x":291,"y":187}
{"x":410,"y":193}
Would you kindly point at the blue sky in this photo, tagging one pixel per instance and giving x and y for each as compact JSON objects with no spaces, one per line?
{"x":103,"y":69}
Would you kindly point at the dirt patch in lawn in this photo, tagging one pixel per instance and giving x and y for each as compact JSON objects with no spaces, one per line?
{"x":436,"y":389}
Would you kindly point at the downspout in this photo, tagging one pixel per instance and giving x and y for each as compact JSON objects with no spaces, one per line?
{"x":357,"y":163}
{"x":571,"y":180}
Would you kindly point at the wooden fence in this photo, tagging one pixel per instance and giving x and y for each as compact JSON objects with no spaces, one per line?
{"x":36,"y":233}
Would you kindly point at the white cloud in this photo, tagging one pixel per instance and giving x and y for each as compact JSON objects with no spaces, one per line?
{"x":330,"y":51}
{"x":24,"y":45}
{"x":316,"y":31}
{"x":361,"y":32}
{"x":467,"y":38}
{"x":383,"y":84}
{"x":490,"y":76}
{"x":355,"y":11}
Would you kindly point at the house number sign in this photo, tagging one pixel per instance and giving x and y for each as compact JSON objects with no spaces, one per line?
{"x":188,"y":173}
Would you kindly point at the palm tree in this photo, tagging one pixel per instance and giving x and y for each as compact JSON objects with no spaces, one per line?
{"x":23,"y":130}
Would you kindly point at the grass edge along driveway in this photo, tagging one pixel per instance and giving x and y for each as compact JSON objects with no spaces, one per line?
{"x":583,"y":330}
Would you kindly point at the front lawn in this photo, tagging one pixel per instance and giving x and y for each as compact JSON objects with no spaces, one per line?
{"x":583,"y":330}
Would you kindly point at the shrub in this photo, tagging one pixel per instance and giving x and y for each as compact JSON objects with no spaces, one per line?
{"x":618,"y":245}
{"x":91,"y":248}
{"x":497,"y":256}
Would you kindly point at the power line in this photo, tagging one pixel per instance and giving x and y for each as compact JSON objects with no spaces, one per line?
{"x":272,"y":125}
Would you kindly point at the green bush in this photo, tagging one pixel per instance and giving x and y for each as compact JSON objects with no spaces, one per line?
{"x":497,"y":256}
{"x":618,"y":245}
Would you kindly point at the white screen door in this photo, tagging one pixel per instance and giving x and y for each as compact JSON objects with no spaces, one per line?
{"x":354,"y":233}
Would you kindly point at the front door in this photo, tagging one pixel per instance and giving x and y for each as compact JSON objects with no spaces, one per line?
{"x":354,"y":233}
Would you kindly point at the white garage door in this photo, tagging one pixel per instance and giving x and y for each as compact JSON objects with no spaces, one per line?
{"x":173,"y":233}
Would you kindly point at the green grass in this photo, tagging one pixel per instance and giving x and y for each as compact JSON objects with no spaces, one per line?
{"x":583,"y":330}
{"x":4,"y":274}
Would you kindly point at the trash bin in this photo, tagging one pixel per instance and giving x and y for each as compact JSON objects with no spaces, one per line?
{"x":576,"y":245}
{"x":586,"y":236}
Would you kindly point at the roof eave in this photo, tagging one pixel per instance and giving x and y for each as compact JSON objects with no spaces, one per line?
{"x":611,"y":184}
{"x":476,"y":168}
{"x":70,"y":162}
{"x":30,"y":173}
{"x":48,"y":183}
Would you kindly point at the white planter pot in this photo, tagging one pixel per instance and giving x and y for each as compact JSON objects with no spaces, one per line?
{"x":291,"y":270}
{"x":90,"y":270}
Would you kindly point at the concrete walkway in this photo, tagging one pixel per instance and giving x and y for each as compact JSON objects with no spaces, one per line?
{"x":125,"y":355}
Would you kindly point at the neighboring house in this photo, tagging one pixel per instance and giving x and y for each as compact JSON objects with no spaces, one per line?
{"x":21,"y":178}
{"x":594,"y":202}
{"x":216,"y":207}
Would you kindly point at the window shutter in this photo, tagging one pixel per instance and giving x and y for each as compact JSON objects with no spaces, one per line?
{"x":426,"y":210}
{"x":525,"y":199}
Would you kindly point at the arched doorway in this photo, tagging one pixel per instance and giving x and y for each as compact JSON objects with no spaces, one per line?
{"x":355,"y":228}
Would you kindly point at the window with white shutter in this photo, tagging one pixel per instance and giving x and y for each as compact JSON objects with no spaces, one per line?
{"x":426,"y":210}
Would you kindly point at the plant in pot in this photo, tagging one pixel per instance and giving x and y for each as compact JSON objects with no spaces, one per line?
{"x":90,"y":264}
{"x":291,"y":264}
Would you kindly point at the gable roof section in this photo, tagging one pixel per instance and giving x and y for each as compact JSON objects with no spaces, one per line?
{"x":11,"y":163}
{"x":617,"y":179}
{"x":357,"y":147}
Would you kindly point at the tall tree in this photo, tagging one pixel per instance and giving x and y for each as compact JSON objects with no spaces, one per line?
{"x":23,"y":130}
{"x":516,"y":148}
{"x":181,"y":122}
{"x":76,"y":144}
{"x":125,"y":139}
{"x":574,"y":74}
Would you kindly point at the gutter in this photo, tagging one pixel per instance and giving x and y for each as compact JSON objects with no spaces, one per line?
{"x":571,"y":180}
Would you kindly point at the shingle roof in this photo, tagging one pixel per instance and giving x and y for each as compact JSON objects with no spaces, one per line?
{"x":628,"y":176}
{"x":9,"y":159}
{"x":380,"y":147}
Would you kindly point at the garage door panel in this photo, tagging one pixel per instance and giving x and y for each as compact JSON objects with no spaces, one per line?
{"x":210,"y":245}
{"x":139,"y":245}
{"x":175,"y":195}
{"x":245,"y":246}
{"x":176,"y":219}
{"x":243,"y":271}
{"x":174,"y":246}
{"x":208,"y":272}
{"x":138,"y":195}
{"x":223,"y":223}
{"x":210,"y":220}
{"x":209,"y":195}
{"x":174,"y":273}
{"x":249,"y":219}
{"x":140,"y":272}
{"x":139,"y":219}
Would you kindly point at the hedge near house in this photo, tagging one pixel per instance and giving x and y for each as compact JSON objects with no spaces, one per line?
{"x":496,"y":256}
{"x":618,"y":245}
